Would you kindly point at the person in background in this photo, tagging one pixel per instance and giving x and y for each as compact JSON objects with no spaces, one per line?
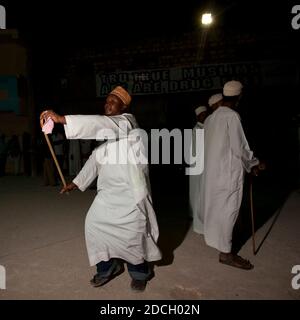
{"x":195,"y":180}
{"x":215,"y":101}
{"x":58,"y":146}
{"x":74,"y":157}
{"x":14,"y":152}
{"x":49,"y":174}
{"x":3,"y":154}
{"x":86,"y":149}
{"x":226,"y":158}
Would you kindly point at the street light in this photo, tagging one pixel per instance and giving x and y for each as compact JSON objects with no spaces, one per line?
{"x":206,"y":19}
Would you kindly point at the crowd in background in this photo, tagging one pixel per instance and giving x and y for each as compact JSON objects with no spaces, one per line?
{"x":19,"y":153}
{"x":15,"y":154}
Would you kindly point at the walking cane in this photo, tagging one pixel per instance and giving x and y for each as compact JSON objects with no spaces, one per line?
{"x":54,"y":156}
{"x":252,"y":214}
{"x":261,"y":167}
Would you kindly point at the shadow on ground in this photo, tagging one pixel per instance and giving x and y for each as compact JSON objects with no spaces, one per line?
{"x":170,"y":190}
{"x":269,"y":197}
{"x":170,"y":198}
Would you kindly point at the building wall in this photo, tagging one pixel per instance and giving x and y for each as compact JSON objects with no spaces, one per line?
{"x":267,"y":52}
{"x":15,"y":104}
{"x":13,"y":59}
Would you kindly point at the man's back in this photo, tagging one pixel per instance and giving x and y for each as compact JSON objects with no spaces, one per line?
{"x":218,"y":140}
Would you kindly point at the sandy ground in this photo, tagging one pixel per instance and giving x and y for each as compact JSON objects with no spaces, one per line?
{"x":42,"y":248}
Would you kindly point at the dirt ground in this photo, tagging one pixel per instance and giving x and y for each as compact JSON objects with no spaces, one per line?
{"x":42,"y":248}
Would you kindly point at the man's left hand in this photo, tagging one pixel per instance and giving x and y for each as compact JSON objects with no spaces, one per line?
{"x":70,"y":187}
{"x":260,"y":167}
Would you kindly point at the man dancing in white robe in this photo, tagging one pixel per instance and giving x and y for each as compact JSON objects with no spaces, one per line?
{"x":121,"y":223}
{"x":226,"y":158}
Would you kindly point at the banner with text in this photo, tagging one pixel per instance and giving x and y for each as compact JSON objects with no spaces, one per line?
{"x":185,"y":79}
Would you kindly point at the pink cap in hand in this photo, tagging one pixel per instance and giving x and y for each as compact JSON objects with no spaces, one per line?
{"x":48,"y":126}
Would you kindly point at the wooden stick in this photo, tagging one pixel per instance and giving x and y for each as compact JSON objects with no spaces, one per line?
{"x":252,"y":216}
{"x":54,"y":157}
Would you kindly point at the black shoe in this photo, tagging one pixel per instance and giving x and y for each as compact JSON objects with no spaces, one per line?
{"x":138,"y":285}
{"x":99,"y":281}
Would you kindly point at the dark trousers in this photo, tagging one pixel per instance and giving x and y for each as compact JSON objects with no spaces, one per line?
{"x":138,"y":272}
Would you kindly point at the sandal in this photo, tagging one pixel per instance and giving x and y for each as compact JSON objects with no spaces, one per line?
{"x":138,"y":285}
{"x":237,"y":262}
{"x":99,"y":281}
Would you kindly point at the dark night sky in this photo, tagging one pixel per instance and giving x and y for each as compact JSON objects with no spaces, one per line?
{"x":90,"y":21}
{"x":51,"y":28}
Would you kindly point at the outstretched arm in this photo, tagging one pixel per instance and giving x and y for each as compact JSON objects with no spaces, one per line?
{"x":92,"y":126}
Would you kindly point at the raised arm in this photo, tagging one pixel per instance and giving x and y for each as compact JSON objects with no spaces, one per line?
{"x":93,"y":126}
{"x":96,"y":127}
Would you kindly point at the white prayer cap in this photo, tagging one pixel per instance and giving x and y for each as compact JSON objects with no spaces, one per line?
{"x":200,"y":110}
{"x":232,"y":88}
{"x":215,"y":98}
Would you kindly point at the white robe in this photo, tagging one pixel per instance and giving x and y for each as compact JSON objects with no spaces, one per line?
{"x":194,"y":182}
{"x":121,"y":222}
{"x":226,"y":157}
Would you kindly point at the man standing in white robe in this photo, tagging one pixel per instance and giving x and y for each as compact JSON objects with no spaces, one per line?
{"x":201,"y":114}
{"x":121,"y":223}
{"x":195,"y":180}
{"x":226,"y":158}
